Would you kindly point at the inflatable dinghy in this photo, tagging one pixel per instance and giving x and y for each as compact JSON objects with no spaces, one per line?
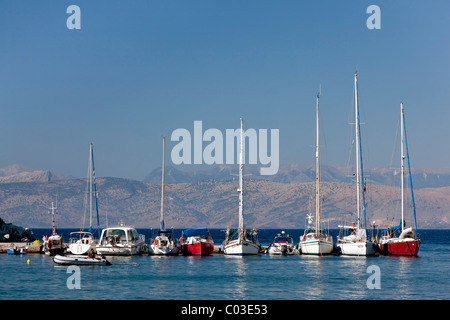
{"x":80,"y":260}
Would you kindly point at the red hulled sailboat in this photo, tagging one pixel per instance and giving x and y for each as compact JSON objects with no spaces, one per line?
{"x":407,"y":243}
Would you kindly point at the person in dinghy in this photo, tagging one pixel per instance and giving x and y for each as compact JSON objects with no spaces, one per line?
{"x":92,"y":254}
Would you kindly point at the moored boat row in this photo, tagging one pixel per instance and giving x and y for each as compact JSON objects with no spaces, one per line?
{"x":352,"y":240}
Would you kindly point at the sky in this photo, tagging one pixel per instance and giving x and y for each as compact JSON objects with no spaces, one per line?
{"x":138,"y":70}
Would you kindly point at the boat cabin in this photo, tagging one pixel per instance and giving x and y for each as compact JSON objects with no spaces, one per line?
{"x":82,"y":237}
{"x":119,"y":235}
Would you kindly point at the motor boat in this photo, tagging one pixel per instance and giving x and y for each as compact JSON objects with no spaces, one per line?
{"x":197,"y":241}
{"x":121,"y":240}
{"x":282,"y":244}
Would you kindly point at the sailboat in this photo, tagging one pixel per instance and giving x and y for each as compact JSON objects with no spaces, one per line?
{"x":314,"y":240}
{"x":357,"y":242}
{"x":164,"y":243}
{"x":241,"y":242}
{"x":53,"y":244}
{"x":408,"y":242}
{"x":81,"y":242}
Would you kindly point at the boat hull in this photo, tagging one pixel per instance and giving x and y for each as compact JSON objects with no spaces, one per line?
{"x":199,"y":248}
{"x":79,"y":260}
{"x":121,"y":241}
{"x":316,"y":247}
{"x":358,"y":248}
{"x":243,"y":248}
{"x":163,"y":245}
{"x":128,"y":250}
{"x":81,"y":248}
{"x":54,"y":245}
{"x":281,"y":249}
{"x":163,"y":250}
{"x":16,"y":251}
{"x":406,"y":247}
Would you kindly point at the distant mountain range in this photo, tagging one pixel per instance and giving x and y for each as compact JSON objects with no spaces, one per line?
{"x":209,"y":198}
{"x":288,"y":173}
{"x":19,"y":173}
{"x":294,"y":173}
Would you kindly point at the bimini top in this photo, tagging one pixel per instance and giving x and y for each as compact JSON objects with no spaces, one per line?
{"x":393,"y":228}
{"x":196,"y":232}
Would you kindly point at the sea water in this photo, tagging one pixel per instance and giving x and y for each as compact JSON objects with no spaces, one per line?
{"x":221,"y":277}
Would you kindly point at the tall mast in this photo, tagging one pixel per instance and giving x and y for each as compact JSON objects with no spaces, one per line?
{"x":94,"y":191}
{"x":317,"y":170}
{"x":357,"y":151}
{"x":409,"y":170}
{"x":241,"y":183}
{"x":402,"y":159}
{"x":53,"y":219}
{"x":90,"y":184}
{"x":162,"y":188}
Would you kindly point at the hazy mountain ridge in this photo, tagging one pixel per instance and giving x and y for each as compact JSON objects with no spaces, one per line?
{"x":288,"y":173}
{"x":212,"y":203}
{"x":294,"y":173}
{"x":19,"y":173}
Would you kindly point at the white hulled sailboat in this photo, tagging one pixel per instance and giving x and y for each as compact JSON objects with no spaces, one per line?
{"x":165,"y":242}
{"x":314,"y":240}
{"x":81,"y":242}
{"x":357,"y":242}
{"x":241,"y":242}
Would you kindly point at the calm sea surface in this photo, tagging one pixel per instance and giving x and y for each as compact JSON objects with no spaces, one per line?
{"x":261,"y":277}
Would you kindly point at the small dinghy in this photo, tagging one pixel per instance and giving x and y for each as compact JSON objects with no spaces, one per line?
{"x":80,"y":260}
{"x":17,"y":250}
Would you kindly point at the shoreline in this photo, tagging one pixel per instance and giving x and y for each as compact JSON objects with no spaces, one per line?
{"x":37,"y":247}
{"x":32,"y":247}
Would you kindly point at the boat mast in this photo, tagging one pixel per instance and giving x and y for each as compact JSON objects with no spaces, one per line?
{"x":241,"y":185}
{"x":90,"y":185}
{"x":94,"y":190}
{"x":409,"y":171}
{"x":317,"y":170}
{"x":357,"y":150}
{"x":162,"y":188}
{"x":402,"y":160}
{"x":53,"y":219}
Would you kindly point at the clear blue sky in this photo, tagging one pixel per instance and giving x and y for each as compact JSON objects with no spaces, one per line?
{"x":138,"y":70}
